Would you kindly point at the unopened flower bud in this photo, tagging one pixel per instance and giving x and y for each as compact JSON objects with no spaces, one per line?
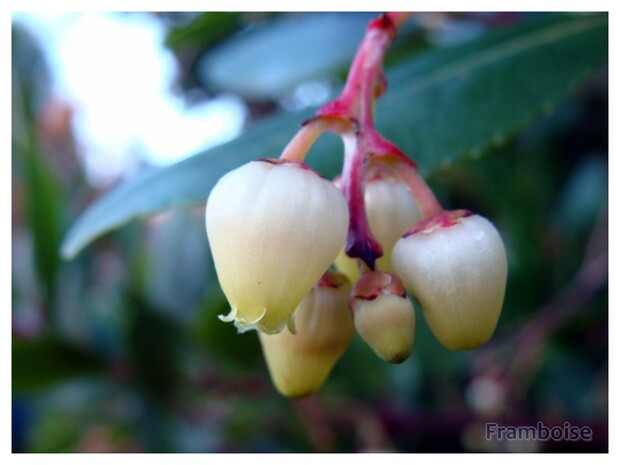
{"x":300,"y":363}
{"x":274,"y":228}
{"x":391,"y":210}
{"x":455,"y":266}
{"x":384,"y":317}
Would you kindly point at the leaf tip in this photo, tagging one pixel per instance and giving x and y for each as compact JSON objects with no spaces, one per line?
{"x":69,"y":249}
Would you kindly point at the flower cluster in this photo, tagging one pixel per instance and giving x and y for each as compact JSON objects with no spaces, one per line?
{"x":308,"y":262}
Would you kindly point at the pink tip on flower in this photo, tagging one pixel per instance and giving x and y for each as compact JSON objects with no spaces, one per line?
{"x":445,"y":219}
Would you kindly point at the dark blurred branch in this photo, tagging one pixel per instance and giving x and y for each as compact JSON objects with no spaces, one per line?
{"x":526,"y":347}
{"x":312,"y":416}
{"x":363,"y":421}
{"x":590,"y":278}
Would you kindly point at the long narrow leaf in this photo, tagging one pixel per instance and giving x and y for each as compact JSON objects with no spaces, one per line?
{"x":439,"y":107}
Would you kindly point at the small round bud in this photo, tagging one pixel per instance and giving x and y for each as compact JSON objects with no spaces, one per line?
{"x":300,"y":363}
{"x":384,"y":317}
{"x":455,"y":266}
{"x":274,"y":228}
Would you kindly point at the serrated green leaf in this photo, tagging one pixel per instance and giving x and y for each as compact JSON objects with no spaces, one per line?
{"x":440,"y":106}
{"x":462,"y":101}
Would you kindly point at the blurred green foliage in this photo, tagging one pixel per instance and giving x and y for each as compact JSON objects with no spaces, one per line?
{"x":120,"y":349}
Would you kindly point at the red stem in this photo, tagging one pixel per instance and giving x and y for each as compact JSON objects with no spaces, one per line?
{"x":425,"y":198}
{"x":299,"y":145}
{"x":360,"y":241}
{"x":351,"y":115}
{"x":365,"y":81}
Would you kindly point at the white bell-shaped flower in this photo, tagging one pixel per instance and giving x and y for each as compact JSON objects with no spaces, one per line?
{"x":455,"y":265}
{"x":274,"y":228}
{"x":300,"y":363}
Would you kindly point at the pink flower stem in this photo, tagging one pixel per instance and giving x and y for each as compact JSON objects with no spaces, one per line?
{"x":360,"y":241}
{"x":365,"y":81}
{"x":298,"y":147}
{"x":425,"y":198}
{"x":351,"y":116}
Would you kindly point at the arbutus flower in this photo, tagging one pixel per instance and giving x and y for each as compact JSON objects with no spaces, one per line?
{"x":455,"y":265}
{"x":384,"y":317}
{"x":300,"y":362}
{"x":274,"y":227}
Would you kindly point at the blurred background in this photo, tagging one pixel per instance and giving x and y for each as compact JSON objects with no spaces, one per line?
{"x":121,"y":350}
